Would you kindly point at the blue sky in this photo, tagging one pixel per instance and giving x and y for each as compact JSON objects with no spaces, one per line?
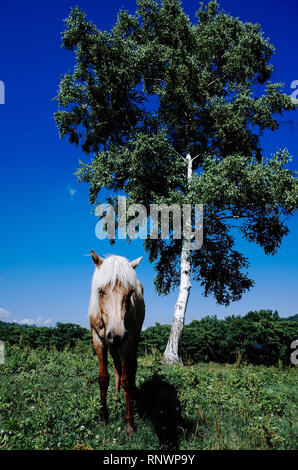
{"x":47,"y":228}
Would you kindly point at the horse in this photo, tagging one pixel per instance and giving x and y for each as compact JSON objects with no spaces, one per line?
{"x":116,"y":314}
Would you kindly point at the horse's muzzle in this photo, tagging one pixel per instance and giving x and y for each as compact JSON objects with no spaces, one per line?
{"x":114,"y":339}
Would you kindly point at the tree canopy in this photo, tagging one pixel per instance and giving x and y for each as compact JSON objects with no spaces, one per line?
{"x":156,"y":88}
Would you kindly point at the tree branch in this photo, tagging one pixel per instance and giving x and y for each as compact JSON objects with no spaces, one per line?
{"x":193,"y":159}
{"x":183,"y":158}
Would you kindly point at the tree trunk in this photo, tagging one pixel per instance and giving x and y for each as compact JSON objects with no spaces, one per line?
{"x":171,"y":354}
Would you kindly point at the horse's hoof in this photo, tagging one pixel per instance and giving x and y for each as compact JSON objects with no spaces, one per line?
{"x":129,"y":429}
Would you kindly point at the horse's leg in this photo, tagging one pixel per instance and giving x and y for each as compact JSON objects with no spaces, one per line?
{"x":135,"y":364}
{"x":103,"y":378}
{"x":128,"y":385}
{"x":117,"y":370}
{"x":117,"y":380}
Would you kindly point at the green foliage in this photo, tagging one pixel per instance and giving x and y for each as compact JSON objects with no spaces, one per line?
{"x":258,"y":338}
{"x":208,"y":339}
{"x":50,"y":400}
{"x":61,"y":336}
{"x":154,"y":337}
{"x":157,"y":87}
{"x":292,"y":318}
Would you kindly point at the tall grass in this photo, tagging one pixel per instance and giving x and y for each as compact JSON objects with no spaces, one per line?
{"x":50,"y":400}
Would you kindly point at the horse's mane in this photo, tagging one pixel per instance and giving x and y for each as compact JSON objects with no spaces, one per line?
{"x":113,"y":269}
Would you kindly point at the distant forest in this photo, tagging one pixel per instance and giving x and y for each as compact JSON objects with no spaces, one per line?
{"x":259,"y":337}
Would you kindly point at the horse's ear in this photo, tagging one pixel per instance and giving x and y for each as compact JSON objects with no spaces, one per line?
{"x":136,"y":262}
{"x":97,"y":260}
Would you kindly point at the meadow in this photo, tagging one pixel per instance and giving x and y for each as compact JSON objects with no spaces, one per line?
{"x":49,"y":399}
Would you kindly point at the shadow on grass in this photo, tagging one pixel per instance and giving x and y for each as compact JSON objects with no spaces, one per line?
{"x":157,"y":401}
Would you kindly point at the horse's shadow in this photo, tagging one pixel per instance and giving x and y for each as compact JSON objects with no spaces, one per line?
{"x":157,"y":401}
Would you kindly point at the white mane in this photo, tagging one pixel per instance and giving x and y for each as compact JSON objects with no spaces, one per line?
{"x":114,"y":268}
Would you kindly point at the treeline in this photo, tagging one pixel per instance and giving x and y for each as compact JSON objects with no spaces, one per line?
{"x":260,"y":337}
{"x":60,"y":336}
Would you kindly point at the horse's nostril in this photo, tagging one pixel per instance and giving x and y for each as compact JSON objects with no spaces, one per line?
{"x":109,"y":336}
{"x":113,"y":338}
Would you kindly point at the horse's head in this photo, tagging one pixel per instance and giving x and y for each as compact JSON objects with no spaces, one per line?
{"x":114,"y":282}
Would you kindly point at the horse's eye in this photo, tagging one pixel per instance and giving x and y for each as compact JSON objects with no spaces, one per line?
{"x":101,"y":292}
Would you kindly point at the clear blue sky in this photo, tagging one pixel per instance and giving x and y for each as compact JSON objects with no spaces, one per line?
{"x":47,"y":228}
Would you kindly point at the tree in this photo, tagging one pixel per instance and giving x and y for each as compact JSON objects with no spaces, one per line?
{"x":173,"y":113}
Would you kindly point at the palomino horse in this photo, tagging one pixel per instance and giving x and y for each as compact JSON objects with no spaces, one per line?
{"x":116,"y":313}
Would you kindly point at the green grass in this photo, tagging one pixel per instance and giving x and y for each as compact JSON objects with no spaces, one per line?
{"x":50,"y":400}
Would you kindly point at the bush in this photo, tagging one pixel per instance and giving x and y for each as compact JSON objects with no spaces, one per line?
{"x":260,"y":337}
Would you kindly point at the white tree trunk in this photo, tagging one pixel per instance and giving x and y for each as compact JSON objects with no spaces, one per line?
{"x":171,"y":354}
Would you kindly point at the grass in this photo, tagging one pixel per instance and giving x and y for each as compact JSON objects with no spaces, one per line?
{"x":50,"y":400}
